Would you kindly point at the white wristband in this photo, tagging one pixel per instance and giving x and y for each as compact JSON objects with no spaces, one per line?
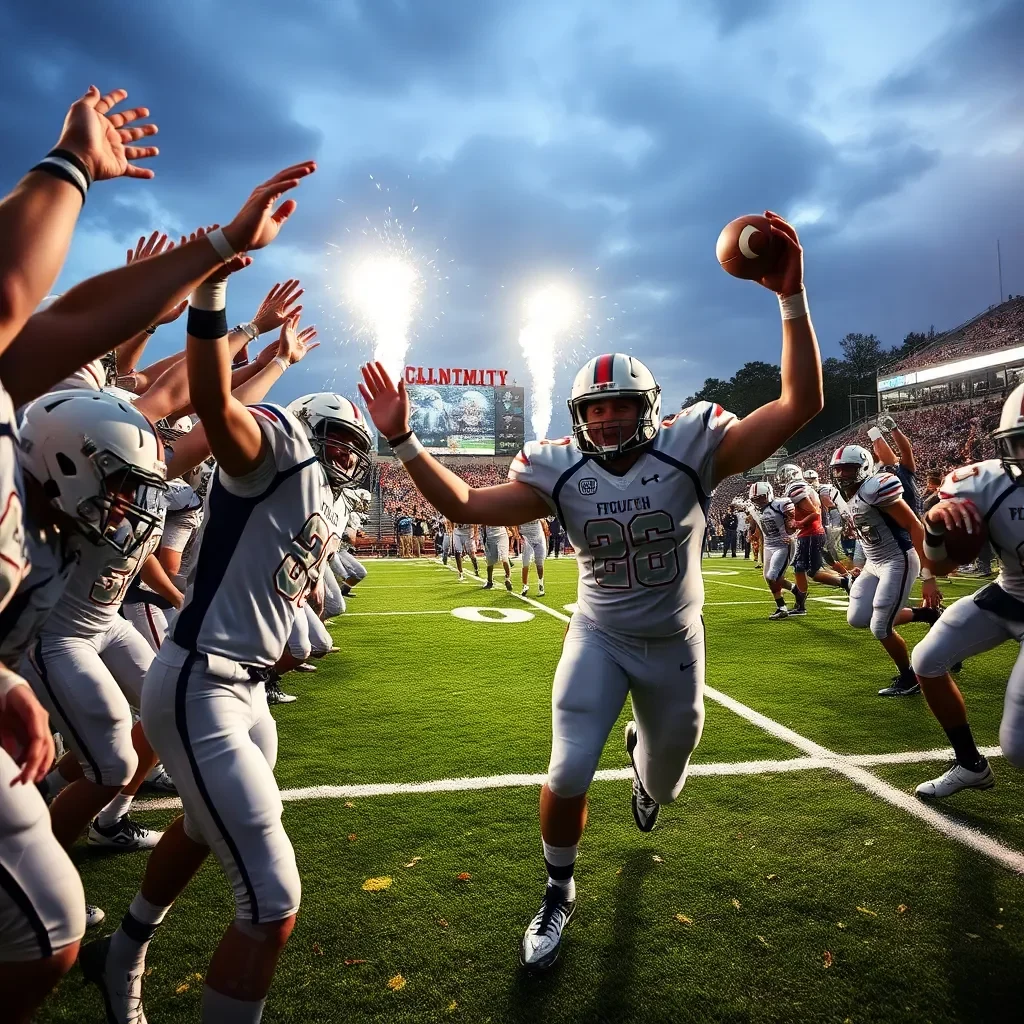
{"x":408,"y":449}
{"x":282,"y":362}
{"x":793,"y":307}
{"x":874,"y":433}
{"x":211,"y":296}
{"x":221,"y":245}
{"x":8,"y":681}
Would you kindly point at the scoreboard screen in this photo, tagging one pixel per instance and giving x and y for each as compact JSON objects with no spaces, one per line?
{"x":453,"y":419}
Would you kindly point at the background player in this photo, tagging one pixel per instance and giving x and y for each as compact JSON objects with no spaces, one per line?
{"x":464,"y":545}
{"x":891,"y":536}
{"x":777,"y":517}
{"x":534,"y":548}
{"x":496,"y":550}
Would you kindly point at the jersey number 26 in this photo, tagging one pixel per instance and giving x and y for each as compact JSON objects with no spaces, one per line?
{"x":645,"y":550}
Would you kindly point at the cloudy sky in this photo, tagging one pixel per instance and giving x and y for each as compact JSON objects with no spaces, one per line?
{"x":603,"y":145}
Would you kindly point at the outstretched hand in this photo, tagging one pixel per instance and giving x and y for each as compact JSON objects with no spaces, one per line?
{"x":100,"y":139}
{"x":387,"y":405}
{"x":295,"y":345}
{"x":787,"y":277}
{"x":278,"y":306}
{"x":257,"y":223}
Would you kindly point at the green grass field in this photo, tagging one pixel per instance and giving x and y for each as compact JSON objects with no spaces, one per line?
{"x":769,"y":892}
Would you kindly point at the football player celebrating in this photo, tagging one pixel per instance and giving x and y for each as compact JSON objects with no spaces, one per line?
{"x":892,"y":537}
{"x":810,"y":544}
{"x":632,"y":491}
{"x":464,"y":543}
{"x":777,"y":517}
{"x":834,"y":514}
{"x":991,"y":493}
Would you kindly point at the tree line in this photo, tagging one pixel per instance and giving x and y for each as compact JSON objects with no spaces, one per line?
{"x":756,"y":383}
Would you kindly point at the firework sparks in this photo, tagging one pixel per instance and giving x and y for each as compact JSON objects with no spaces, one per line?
{"x":385,"y":290}
{"x":549,"y":315}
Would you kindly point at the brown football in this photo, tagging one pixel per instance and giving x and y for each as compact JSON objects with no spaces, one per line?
{"x":746,"y":248}
{"x":963,"y":547}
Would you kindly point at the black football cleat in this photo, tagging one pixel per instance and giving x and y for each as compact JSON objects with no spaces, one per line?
{"x":645,"y":810}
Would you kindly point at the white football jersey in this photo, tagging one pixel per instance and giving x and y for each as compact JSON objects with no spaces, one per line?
{"x":14,"y":556}
{"x":260,"y":554}
{"x":495,"y":532}
{"x":882,"y":538}
{"x":995,"y":493}
{"x":638,"y":536}
{"x":532,"y":530}
{"x":773,"y":522}
{"x":53,"y":559}
{"x":834,"y":516}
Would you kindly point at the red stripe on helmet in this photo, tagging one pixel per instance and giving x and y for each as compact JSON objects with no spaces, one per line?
{"x":603,"y":370}
{"x":839,"y":454}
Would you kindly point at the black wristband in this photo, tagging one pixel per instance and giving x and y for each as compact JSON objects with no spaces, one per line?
{"x":151,"y":330}
{"x":72,"y":158}
{"x":401,"y":437}
{"x":55,"y":169}
{"x":207,"y":324}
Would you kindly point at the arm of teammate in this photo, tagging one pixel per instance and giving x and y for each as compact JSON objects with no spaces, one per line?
{"x":906,"y":449}
{"x":931,"y":596}
{"x":290,"y":346}
{"x":24,"y":728}
{"x":500,"y":505}
{"x":884,"y":455}
{"x":755,"y":437}
{"x":155,"y":577}
{"x":104,"y":311}
{"x":38,"y":218}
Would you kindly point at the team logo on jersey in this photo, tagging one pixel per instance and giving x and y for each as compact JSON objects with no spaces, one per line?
{"x":588,"y":486}
{"x":645,"y":480}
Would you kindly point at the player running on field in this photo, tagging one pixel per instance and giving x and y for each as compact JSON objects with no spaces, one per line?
{"x":632,"y":491}
{"x":535,"y":545}
{"x":892,"y":537}
{"x":777,"y":517}
{"x":984,"y":493}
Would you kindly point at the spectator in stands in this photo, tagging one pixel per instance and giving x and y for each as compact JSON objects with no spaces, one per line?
{"x":403,"y":527}
{"x":419,"y":531}
{"x":931,"y":491}
{"x":554,"y":537}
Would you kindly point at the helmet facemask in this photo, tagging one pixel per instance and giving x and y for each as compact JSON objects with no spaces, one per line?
{"x":629,"y":434}
{"x":343,"y":452}
{"x":127,"y":508}
{"x":1010,"y":450}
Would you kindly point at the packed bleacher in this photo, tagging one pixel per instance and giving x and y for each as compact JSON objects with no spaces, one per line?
{"x":398,"y":494}
{"x":1000,"y":327}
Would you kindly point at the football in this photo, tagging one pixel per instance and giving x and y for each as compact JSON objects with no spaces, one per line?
{"x":964,"y":547}
{"x":746,"y":248}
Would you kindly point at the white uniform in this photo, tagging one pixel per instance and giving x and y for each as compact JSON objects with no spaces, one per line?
{"x":204,"y":705}
{"x":495,"y":544}
{"x":995,"y":614}
{"x":348,"y":566}
{"x":832,"y":520}
{"x":462,"y":539}
{"x":638,"y":631}
{"x":534,"y":545}
{"x":42,"y":904}
{"x":88,"y":663}
{"x":14,"y":558}
{"x":777,"y":541}
{"x":892,"y":565}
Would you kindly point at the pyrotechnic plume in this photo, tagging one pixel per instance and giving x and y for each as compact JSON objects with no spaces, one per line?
{"x":548,"y":316}
{"x":385,"y":291}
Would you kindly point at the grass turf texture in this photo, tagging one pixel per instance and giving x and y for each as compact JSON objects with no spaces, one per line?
{"x":421,"y":697}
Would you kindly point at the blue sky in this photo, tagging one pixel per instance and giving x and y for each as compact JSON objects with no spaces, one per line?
{"x":603,"y":145}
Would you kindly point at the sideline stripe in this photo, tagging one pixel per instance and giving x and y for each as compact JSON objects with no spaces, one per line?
{"x":462,"y":785}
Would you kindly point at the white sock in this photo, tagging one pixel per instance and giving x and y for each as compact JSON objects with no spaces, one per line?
{"x":129,"y":943}
{"x":116,"y":809}
{"x":222,"y":1009}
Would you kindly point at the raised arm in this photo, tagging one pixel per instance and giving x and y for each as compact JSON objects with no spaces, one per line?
{"x":755,"y":437}
{"x":38,"y":218}
{"x":501,"y":505}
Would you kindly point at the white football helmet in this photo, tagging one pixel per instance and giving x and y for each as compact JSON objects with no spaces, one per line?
{"x":1009,"y":435}
{"x":811,"y":476}
{"x":615,"y":375}
{"x":98,"y":461}
{"x":338,"y":434}
{"x":851,"y":465}
{"x":788,"y":473}
{"x":761,"y":494}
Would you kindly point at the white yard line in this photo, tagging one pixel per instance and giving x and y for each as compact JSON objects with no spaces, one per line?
{"x":513,"y":781}
{"x":844,"y":765}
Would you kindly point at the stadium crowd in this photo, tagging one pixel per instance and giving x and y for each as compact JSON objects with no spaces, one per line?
{"x":399,"y":497}
{"x":1000,"y":327}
